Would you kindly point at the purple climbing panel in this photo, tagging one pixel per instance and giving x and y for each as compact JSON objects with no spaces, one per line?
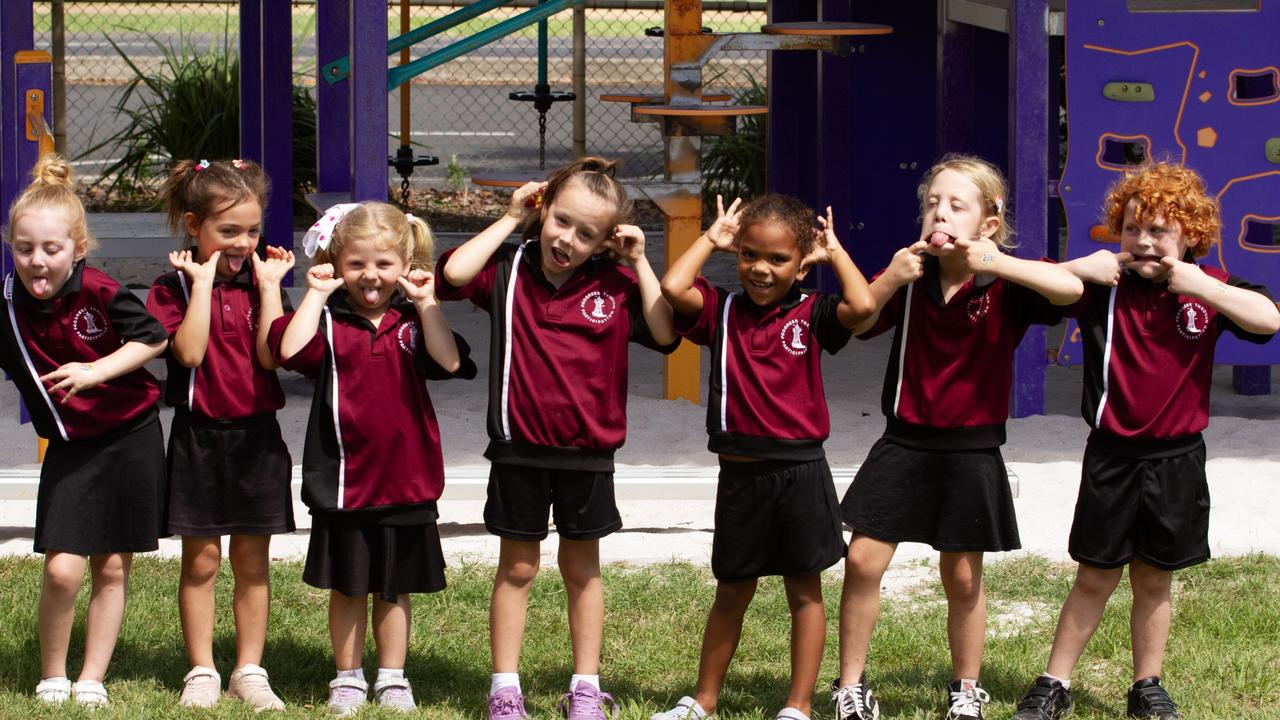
{"x":1199,"y":87}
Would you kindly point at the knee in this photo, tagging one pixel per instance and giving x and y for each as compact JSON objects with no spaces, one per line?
{"x":1096,"y":583}
{"x":963,"y":587}
{"x":518,"y":574}
{"x":111,"y":572}
{"x":804,"y":594}
{"x":201,"y":567}
{"x":860,"y":570}
{"x":733,"y":598}
{"x":1149,"y":583}
{"x":249,"y":565}
{"x":62,"y":578}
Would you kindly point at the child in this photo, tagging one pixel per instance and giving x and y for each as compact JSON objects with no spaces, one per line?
{"x":74,"y":341}
{"x":1150,"y":316}
{"x":370,"y":331}
{"x":776,"y":510}
{"x":229,"y":468}
{"x":562,"y":314}
{"x":936,"y":476}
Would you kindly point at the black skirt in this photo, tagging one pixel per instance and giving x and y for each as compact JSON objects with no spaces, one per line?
{"x":387,"y":560}
{"x":228,"y":477}
{"x":103,"y":494}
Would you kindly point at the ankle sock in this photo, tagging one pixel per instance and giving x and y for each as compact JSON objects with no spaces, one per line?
{"x":592,"y":680}
{"x":966,"y":683}
{"x":358,"y":674}
{"x":501,"y":680}
{"x":385,"y":674}
{"x":1066,"y":683}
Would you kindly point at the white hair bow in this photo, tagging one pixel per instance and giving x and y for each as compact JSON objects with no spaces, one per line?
{"x":320,"y":234}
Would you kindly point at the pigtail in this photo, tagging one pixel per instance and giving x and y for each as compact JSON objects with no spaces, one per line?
{"x":53,"y":185}
{"x":173,"y":193}
{"x":421,"y":242}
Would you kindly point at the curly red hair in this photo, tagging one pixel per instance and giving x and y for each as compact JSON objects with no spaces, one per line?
{"x":1173,"y":191}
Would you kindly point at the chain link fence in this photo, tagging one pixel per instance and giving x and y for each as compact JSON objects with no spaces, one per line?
{"x":459,"y":109}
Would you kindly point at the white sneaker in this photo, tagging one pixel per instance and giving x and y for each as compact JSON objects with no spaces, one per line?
{"x":394,"y":693}
{"x":790,"y":713}
{"x":53,"y":691}
{"x":201,"y":688}
{"x":250,"y":684}
{"x":89,"y":693}
{"x":686,"y":709}
{"x":347,"y":695}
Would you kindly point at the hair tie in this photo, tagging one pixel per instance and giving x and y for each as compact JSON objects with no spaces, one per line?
{"x":201,"y":165}
{"x":409,"y":216}
{"x":320,"y":234}
{"x":999,"y":203}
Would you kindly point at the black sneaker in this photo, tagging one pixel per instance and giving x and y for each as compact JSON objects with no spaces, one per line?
{"x":965,"y":703}
{"x":854,"y":702}
{"x":1148,"y":699}
{"x":1047,"y":699}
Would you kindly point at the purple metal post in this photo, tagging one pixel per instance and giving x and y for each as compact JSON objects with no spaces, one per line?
{"x":16,"y":33}
{"x":793,"y":88}
{"x":251,"y":79}
{"x":275,"y":127}
{"x":333,"y":111}
{"x":1029,"y":176}
{"x":955,"y":86}
{"x":368,"y":99}
{"x":1251,"y":379}
{"x":833,"y":149}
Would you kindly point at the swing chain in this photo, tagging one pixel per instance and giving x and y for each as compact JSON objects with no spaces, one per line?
{"x":542,"y":139}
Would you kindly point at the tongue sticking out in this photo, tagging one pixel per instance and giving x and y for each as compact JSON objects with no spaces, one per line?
{"x":235,"y":262}
{"x":39,"y":286}
{"x":371,"y":296}
{"x":939,"y":239}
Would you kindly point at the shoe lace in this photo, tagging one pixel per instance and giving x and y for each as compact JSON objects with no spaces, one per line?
{"x":849,"y":702}
{"x":255,"y":682}
{"x":506,"y":705}
{"x":968,"y":702}
{"x":1157,"y":699}
{"x":587,"y":702}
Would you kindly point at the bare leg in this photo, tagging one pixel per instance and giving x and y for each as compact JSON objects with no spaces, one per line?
{"x":110,"y":576}
{"x":1149,"y":620}
{"x":720,"y":639}
{"x":808,"y":632}
{"x":864,"y":567}
{"x":517,"y":567}
{"x":348,"y":618}
{"x":1081,"y":613}
{"x":251,"y":561}
{"x":580,"y":568}
{"x":63,"y":575}
{"x":201,"y":557}
{"x":391,"y":630}
{"x":966,"y":611}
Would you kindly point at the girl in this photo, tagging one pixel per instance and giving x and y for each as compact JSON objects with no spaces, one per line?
{"x":776,"y":510}
{"x":229,"y":468}
{"x":562,"y":315}
{"x":958,"y":306}
{"x":74,"y":341}
{"x":370,"y":331}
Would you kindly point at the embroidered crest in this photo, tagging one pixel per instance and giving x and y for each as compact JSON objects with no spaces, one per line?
{"x":795,"y":337}
{"x":598,"y":307}
{"x":1192,"y":320}
{"x":251,"y":317}
{"x":407,"y":337}
{"x":89,"y":324}
{"x":978,"y":306}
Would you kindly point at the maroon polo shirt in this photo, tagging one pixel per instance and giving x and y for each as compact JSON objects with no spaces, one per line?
{"x":765,"y":397}
{"x":557,"y":357}
{"x":91,"y":316}
{"x":229,"y":383}
{"x":946,"y":386}
{"x":1148,"y":363}
{"x":373,"y":445}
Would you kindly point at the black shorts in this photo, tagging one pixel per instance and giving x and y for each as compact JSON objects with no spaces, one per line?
{"x":775,"y":517}
{"x":521,"y":498}
{"x":385,"y":560}
{"x":103,"y":494}
{"x":953,"y":500}
{"x":228,"y":477}
{"x":1156,"y":510}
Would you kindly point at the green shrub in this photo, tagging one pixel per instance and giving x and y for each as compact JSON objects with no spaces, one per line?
{"x":734,"y":165}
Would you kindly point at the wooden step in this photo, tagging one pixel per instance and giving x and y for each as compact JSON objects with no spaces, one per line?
{"x":658,"y":99}
{"x":701,"y":111}
{"x":839,"y":29}
{"x":508,"y":178}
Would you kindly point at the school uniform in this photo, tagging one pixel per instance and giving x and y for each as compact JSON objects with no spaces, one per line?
{"x":1148,"y":369}
{"x":766,"y":401}
{"x":372,"y":468}
{"x":102,"y":484}
{"x":936,"y":476}
{"x":557,"y":389}
{"x":228,"y":465}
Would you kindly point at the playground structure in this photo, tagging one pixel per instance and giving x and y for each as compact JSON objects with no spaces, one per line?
{"x":857,"y":124}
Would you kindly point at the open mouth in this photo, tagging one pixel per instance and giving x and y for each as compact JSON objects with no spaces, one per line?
{"x":939,"y":239}
{"x":370,"y":295}
{"x":559,"y":258}
{"x":40,"y":286}
{"x":234,"y":262}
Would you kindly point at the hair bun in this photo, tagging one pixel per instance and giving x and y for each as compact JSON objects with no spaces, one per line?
{"x":594,"y":163}
{"x":52,"y":169}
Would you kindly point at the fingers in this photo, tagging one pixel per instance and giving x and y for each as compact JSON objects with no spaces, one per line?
{"x":918,"y":247}
{"x":1124,"y":257}
{"x":732,"y":212}
{"x":1168,"y":262}
{"x":962,"y":243}
{"x":719,"y":206}
{"x":213,"y":258}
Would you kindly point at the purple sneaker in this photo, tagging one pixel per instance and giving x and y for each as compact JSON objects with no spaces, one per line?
{"x":586,"y":703}
{"x":506,"y":703}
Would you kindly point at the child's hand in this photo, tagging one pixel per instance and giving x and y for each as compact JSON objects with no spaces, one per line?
{"x":72,"y":378}
{"x":825,"y":242}
{"x":723,"y":233}
{"x":1101,"y":268}
{"x":321,"y":279}
{"x":274,"y":268}
{"x":198,"y":272}
{"x":419,"y":286}
{"x":526,"y":199}
{"x":1185,"y":278}
{"x":907,"y":264}
{"x":626,"y":243}
{"x":981,"y":256}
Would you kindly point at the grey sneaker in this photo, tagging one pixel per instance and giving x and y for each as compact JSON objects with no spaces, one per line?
{"x":201,"y":688}
{"x":506,"y":703}
{"x":586,"y":703}
{"x":250,"y":684}
{"x":394,"y":693}
{"x":347,"y":695}
{"x":854,"y":701}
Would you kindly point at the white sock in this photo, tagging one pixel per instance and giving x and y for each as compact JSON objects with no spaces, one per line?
{"x":385,"y":674}
{"x":1065,"y":683}
{"x":501,"y":680}
{"x":358,"y":674}
{"x":592,"y":680}
{"x":966,"y":683}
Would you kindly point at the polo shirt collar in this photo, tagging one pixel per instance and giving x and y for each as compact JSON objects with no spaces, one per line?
{"x":22,"y":298}
{"x":791,"y":299}
{"x":340,"y":305}
{"x":933,"y":280}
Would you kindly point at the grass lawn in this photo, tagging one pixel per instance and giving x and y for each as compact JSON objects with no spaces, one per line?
{"x":1224,"y":654}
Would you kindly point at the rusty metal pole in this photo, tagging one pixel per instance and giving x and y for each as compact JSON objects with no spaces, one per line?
{"x":579,"y":81}
{"x":58,"y":42}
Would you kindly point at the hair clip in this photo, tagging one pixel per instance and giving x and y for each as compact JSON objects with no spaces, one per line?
{"x":534,"y":200}
{"x":999,"y":203}
{"x":238,"y":164}
{"x":201,"y":165}
{"x":320,"y":234}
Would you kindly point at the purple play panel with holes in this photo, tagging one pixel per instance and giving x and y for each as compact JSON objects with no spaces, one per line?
{"x":1198,"y":87}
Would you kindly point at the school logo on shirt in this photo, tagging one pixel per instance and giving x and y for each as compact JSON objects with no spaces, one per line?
{"x":251,"y":317}
{"x":407,"y":337}
{"x":598,"y":307}
{"x":795,"y":337}
{"x":89,"y":324}
{"x":1193,"y":320}
{"x":978,"y":306}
